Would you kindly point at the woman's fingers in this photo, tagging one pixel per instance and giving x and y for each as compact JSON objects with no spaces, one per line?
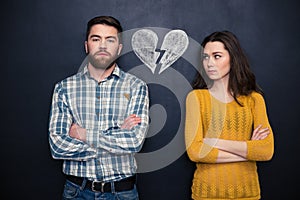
{"x":260,"y":133}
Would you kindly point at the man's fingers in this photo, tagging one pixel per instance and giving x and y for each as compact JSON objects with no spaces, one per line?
{"x":131,"y":121}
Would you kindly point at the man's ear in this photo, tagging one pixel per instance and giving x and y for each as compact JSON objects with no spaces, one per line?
{"x":86,"y":47}
{"x":120,"y":49}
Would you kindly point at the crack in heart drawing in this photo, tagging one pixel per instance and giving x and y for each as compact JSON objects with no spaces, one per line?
{"x":144,"y":44}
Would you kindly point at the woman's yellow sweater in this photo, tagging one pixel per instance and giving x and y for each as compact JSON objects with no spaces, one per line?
{"x":208,"y":117}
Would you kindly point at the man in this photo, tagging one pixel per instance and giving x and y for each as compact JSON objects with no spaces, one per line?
{"x":99,"y":119}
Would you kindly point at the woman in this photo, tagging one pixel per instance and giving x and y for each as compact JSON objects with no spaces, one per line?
{"x":227,"y":128}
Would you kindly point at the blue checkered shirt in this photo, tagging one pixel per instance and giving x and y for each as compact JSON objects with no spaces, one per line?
{"x":100,"y":108}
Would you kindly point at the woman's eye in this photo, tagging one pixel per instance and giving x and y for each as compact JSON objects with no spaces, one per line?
{"x":205,"y":57}
{"x":217,"y":56}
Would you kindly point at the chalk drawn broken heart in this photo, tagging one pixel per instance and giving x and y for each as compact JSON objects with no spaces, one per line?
{"x":144,"y":44}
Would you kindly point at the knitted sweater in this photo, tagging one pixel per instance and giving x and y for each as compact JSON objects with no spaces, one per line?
{"x":209,"y":117}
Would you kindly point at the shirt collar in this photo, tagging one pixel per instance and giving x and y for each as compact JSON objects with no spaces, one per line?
{"x":117,"y":72}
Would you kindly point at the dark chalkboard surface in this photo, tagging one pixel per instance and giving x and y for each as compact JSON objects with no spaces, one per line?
{"x":42,"y":43}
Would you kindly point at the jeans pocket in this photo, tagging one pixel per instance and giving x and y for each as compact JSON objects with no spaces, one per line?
{"x":128,"y":195}
{"x":70,"y":191}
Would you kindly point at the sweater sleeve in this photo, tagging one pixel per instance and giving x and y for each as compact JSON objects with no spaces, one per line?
{"x":260,"y":150}
{"x":196,"y":149}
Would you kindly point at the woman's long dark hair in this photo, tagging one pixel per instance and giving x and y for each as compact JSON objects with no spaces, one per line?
{"x":241,"y":79}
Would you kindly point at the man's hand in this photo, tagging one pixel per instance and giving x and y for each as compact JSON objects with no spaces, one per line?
{"x":80,"y":133}
{"x":131,"y":121}
{"x":77,"y":132}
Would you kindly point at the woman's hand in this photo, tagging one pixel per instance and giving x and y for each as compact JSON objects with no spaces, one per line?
{"x":260,"y":133}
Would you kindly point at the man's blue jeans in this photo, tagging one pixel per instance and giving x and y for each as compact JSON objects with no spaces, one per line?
{"x":77,"y":192}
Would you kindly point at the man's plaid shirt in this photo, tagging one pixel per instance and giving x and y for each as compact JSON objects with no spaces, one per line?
{"x":100,"y":108}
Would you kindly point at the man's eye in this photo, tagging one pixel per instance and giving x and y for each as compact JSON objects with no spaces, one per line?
{"x":95,"y":39}
{"x":111,"y":40}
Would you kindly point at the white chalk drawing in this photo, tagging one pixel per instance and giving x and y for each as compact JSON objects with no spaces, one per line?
{"x":175,"y":43}
{"x":144,"y":44}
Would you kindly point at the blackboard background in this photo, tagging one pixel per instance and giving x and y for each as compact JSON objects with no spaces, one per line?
{"x":42,"y":43}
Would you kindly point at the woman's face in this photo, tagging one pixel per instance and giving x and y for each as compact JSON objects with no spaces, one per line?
{"x":216,"y":60}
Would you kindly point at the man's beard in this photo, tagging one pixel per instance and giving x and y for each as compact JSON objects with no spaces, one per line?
{"x":103,"y":62}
